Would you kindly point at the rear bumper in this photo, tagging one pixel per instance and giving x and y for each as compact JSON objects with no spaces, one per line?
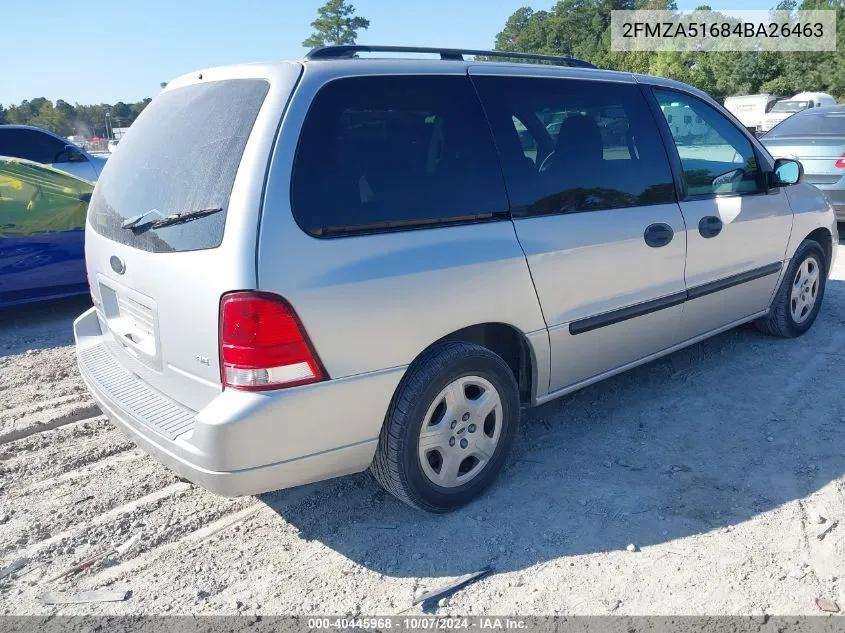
{"x":242,"y":443}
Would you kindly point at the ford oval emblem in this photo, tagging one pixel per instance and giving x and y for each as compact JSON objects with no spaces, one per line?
{"x":117,"y":265}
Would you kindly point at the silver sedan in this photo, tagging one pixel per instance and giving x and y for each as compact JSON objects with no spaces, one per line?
{"x":816,"y":138}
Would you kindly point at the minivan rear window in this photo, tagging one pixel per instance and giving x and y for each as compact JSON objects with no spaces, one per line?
{"x":393,"y":153}
{"x":180,"y":156}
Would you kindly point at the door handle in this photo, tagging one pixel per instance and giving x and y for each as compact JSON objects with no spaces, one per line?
{"x":657,"y":235}
{"x":709,"y":226}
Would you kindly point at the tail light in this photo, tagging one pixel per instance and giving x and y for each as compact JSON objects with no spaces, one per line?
{"x":840,"y":163}
{"x":263,"y":344}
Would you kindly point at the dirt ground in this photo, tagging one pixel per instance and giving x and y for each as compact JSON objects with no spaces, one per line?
{"x":723,"y":464}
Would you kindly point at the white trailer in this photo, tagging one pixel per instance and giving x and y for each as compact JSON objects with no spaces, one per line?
{"x":751,"y":109}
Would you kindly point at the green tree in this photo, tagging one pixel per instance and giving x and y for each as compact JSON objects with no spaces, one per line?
{"x":581,"y":28}
{"x":20,"y":114}
{"x":578,"y":28}
{"x":38,"y":103}
{"x":509,"y":38}
{"x":67,"y":110}
{"x":66,"y":119}
{"x":809,"y":71}
{"x":121,"y":111}
{"x":51,"y":118}
{"x":336,"y":23}
{"x":138,"y":107}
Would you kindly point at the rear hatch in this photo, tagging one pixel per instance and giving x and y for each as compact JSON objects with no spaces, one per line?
{"x":173,"y":223}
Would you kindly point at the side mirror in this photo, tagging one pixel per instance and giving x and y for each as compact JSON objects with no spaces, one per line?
{"x":723,"y":183}
{"x":787,"y":172}
{"x":70,"y":154}
{"x":74,"y":155}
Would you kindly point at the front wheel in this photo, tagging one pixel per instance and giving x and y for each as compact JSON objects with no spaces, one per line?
{"x":799,"y":297}
{"x":449,"y":428}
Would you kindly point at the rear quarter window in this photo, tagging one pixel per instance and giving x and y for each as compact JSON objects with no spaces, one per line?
{"x":598,"y":145}
{"x":389,"y":153}
{"x":181,"y":154}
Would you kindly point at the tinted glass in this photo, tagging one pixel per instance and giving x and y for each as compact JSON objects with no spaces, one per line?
{"x":812,"y":123}
{"x":29,"y":144}
{"x":386,"y":153}
{"x":180,"y":155}
{"x":572,"y":145}
{"x":716,"y":157}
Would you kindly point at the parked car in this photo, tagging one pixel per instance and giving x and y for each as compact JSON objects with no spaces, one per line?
{"x":112,"y":145}
{"x":782,"y":110}
{"x":344,"y":263}
{"x":41,"y":146}
{"x":816,"y":138}
{"x":42,"y":221}
{"x":751,"y":109}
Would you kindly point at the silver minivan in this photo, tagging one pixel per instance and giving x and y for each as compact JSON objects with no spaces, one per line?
{"x":309,"y":268}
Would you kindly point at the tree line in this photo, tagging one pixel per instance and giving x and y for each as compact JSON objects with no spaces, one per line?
{"x":65,"y":119}
{"x":581,"y":28}
{"x":336,"y":23}
{"x":577,"y":28}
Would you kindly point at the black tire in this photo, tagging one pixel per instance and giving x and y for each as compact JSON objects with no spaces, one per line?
{"x":397,"y":465}
{"x":780,"y":321}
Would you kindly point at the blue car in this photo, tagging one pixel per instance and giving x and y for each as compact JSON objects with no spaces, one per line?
{"x":42,"y":226}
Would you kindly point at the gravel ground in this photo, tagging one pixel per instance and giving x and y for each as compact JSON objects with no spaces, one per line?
{"x":722,"y":464}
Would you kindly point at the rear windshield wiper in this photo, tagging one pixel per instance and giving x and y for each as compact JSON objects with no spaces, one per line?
{"x":186,"y":216}
{"x":139,"y":222}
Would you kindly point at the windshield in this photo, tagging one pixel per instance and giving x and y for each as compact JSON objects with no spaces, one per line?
{"x":790,"y":106}
{"x":36,"y":198}
{"x":180,"y":155}
{"x":812,"y":124}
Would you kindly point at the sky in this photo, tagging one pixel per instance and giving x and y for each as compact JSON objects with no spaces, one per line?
{"x":104,"y":52}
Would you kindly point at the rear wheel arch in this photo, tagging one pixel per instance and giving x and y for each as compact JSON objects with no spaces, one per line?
{"x":506,"y":341}
{"x":510,"y":344}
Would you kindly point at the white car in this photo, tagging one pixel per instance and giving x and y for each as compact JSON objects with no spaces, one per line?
{"x":112,"y":146}
{"x":782,"y":110}
{"x":41,"y":146}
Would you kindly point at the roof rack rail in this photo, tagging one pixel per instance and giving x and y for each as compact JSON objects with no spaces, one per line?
{"x":347,"y":51}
